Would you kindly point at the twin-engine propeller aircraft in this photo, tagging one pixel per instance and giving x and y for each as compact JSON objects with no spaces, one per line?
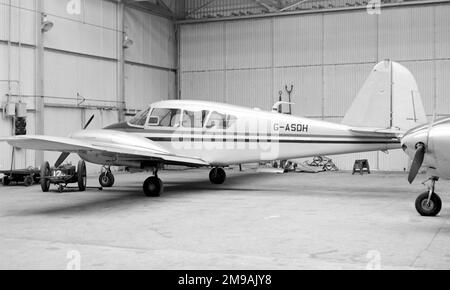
{"x":197,"y":134}
{"x":428,"y":146}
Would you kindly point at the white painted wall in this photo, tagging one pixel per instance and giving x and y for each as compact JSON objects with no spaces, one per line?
{"x":327,"y":57}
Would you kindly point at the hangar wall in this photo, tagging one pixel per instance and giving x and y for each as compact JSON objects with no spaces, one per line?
{"x":80,"y":60}
{"x":326,"y":56}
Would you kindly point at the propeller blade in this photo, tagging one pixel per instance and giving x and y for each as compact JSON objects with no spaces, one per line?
{"x":61,"y":158}
{"x":417,"y":163}
{"x":88,"y":122}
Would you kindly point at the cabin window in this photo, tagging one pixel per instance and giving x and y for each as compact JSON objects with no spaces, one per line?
{"x":140,"y":118}
{"x":194,"y":119}
{"x":220,"y":121}
{"x":165,"y":117}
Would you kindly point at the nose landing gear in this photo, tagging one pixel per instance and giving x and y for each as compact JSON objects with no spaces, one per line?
{"x":429,"y":203}
{"x":106,"y":178}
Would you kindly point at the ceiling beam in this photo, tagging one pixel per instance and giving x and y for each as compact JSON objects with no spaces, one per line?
{"x":269,"y":7}
{"x":189,"y":13}
{"x":156,"y":6}
{"x":293,"y":5}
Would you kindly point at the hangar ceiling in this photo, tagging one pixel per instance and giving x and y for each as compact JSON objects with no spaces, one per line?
{"x":212,"y":9}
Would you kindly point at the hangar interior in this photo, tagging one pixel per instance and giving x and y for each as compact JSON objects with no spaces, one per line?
{"x":67,"y":60}
{"x":62,"y":61}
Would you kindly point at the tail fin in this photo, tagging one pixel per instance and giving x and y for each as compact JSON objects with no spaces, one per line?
{"x":389,"y":99}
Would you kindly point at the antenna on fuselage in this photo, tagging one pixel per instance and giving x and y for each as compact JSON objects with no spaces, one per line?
{"x":276,"y":107}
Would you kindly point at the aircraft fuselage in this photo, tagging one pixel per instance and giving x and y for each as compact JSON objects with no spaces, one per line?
{"x":249,"y":136}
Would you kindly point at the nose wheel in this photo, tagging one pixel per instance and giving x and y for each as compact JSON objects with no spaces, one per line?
{"x":217,"y":175}
{"x":429,"y":203}
{"x":106,"y":179}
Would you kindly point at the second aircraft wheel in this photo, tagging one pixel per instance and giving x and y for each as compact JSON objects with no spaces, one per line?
{"x":153,"y":187}
{"x":106,"y":179}
{"x":426,"y":208}
{"x":45,"y":173}
{"x":217,"y":176}
{"x":81,"y":173}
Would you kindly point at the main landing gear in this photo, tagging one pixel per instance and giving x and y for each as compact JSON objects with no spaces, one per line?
{"x":153,"y":186}
{"x":217,"y":175}
{"x":106,"y":178}
{"x":429,"y":203}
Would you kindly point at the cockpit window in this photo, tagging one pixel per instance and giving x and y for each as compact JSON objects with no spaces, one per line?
{"x":167,"y":117}
{"x":220,"y":121}
{"x":140,"y":118}
{"x":193,"y":119}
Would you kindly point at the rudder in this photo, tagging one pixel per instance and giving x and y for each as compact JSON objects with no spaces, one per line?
{"x":389,"y":99}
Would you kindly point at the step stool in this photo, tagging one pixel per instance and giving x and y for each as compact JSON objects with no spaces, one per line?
{"x":361,"y":166}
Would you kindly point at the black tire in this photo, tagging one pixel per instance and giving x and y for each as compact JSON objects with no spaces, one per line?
{"x":45,"y":171}
{"x":6,"y":181}
{"x":81,"y":174}
{"x":217,"y":176}
{"x":431,"y":209}
{"x":106,"y":179}
{"x":28,"y":181}
{"x":153,"y":187}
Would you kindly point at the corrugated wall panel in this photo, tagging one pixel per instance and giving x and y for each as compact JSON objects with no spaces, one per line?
{"x":202,"y":47}
{"x":341,"y":85}
{"x":442,"y":31}
{"x":350,"y":39}
{"x":346,"y":161}
{"x":406,"y":33}
{"x":5,"y":130}
{"x":298,"y":40}
{"x":20,"y":30}
{"x":92,"y":12}
{"x":443,"y":87}
{"x":101,"y":13}
{"x":423,"y":72}
{"x":78,"y":37}
{"x":154,"y":40}
{"x":250,"y":88}
{"x":66,"y":75}
{"x":146,"y":85}
{"x":206,"y":86}
{"x":26,"y":72}
{"x":248,"y":44}
{"x":306,"y":96}
{"x":395,"y":160}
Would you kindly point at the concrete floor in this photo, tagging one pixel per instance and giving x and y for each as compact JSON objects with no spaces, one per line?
{"x":254,"y":221}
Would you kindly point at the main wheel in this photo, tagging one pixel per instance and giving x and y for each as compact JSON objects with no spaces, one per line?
{"x":6,"y":181}
{"x":217,"y":176}
{"x":45,"y":173}
{"x":28,"y":181}
{"x":153,"y":187}
{"x":106,"y":179}
{"x":81,"y":173}
{"x":428,"y":209}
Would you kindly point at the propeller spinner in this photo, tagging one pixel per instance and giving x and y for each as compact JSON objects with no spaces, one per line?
{"x":421,"y":149}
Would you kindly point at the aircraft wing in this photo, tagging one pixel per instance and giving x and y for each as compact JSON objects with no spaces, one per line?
{"x":124,"y":152}
{"x":47,"y":143}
